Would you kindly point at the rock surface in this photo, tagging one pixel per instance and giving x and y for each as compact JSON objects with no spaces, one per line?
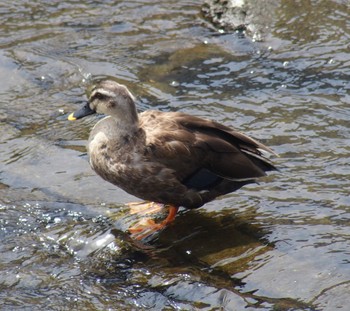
{"x":254,"y":17}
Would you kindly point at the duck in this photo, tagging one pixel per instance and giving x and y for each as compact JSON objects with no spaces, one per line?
{"x":171,"y":158}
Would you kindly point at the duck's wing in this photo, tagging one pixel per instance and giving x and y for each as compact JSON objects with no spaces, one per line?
{"x":235,"y":147}
{"x":244,"y":142}
{"x":189,"y":144}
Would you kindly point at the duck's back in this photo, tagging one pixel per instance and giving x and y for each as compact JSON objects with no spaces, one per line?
{"x":178,"y":137}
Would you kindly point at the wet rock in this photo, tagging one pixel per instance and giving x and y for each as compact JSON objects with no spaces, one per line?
{"x":253,"y":17}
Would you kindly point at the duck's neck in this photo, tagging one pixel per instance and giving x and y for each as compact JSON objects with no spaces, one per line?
{"x":125,"y":126}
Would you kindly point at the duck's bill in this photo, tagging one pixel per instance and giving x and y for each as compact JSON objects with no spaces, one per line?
{"x":81,"y":113}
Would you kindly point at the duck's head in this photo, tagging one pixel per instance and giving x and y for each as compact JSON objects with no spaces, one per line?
{"x":110,"y":98}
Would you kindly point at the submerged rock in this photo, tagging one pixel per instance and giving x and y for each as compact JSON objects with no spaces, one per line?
{"x":253,"y":17}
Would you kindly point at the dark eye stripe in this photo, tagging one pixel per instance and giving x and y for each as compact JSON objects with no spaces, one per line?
{"x":99,"y":96}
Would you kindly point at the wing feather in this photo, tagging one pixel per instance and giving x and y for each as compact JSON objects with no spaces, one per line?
{"x":186,"y":144}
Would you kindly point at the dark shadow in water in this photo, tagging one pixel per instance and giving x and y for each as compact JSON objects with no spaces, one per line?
{"x":210,"y":247}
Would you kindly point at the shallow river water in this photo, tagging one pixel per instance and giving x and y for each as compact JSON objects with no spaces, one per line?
{"x":282,"y":244}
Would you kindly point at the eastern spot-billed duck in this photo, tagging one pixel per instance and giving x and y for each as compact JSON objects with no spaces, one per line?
{"x":167,"y":157}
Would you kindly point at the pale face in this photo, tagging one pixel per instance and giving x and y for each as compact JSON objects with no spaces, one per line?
{"x":114,"y":99}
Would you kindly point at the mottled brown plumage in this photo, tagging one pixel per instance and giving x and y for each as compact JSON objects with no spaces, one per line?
{"x":168,"y":157}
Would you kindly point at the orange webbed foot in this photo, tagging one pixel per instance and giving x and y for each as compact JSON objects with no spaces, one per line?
{"x":144,"y":208}
{"x":147,"y":226}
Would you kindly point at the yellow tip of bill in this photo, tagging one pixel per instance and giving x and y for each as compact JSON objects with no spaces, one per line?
{"x":71,"y":117}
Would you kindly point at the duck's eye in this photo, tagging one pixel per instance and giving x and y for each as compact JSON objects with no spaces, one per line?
{"x":99,"y":96}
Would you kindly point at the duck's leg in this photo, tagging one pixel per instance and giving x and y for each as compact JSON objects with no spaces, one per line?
{"x":148,"y":226}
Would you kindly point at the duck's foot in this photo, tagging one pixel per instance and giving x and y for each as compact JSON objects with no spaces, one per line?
{"x":147,"y":226}
{"x":144,"y":208}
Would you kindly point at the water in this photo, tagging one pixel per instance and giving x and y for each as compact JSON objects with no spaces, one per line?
{"x":282,"y":244}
